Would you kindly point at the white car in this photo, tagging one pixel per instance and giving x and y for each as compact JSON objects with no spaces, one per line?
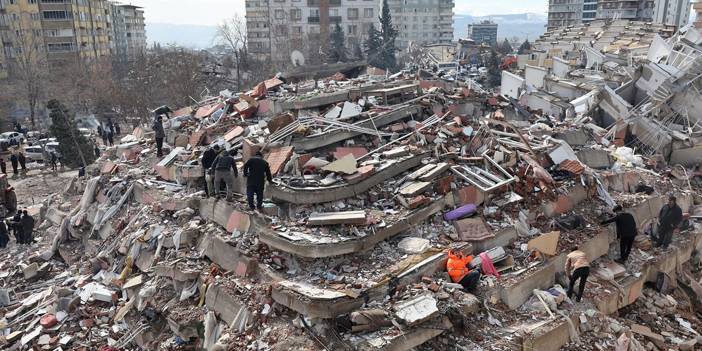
{"x":34,"y":153}
{"x":52,"y":147}
{"x":11,"y":138}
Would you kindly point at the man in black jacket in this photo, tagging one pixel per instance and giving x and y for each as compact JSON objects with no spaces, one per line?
{"x":223,"y":166}
{"x":256,"y":171}
{"x":208,"y":158}
{"x":626,"y":232}
{"x":27,"y":223}
{"x":668,"y":219}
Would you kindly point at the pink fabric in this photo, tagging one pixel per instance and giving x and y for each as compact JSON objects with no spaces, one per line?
{"x":487,"y":266}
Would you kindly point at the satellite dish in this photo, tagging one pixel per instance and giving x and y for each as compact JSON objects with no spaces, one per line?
{"x":297,"y":58}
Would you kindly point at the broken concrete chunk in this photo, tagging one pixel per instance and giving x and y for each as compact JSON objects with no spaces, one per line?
{"x":545,"y":243}
{"x":332,"y":218}
{"x":415,"y":188}
{"x":435,"y":172}
{"x":412,"y":245}
{"x":346,"y":165}
{"x":416,"y":310}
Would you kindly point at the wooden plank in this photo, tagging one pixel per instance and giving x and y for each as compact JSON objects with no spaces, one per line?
{"x":440,"y":168}
{"x":415,"y":188}
{"x":332,"y":218}
{"x":422,"y":171}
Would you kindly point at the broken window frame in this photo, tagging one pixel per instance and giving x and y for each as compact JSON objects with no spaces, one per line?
{"x":484,"y":175}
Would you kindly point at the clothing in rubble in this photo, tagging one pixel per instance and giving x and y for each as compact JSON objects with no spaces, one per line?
{"x":256,"y":171}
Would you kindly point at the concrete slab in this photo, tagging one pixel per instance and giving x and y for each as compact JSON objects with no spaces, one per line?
{"x":516,"y":294}
{"x":228,"y":307}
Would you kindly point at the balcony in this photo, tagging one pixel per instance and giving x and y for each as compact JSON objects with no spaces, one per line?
{"x":333,"y":3}
{"x":332,"y":19}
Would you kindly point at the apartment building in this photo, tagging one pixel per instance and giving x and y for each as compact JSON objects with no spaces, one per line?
{"x":277,"y":28}
{"x":422,"y":21}
{"x":697,"y":6}
{"x":572,"y":12}
{"x":484,"y":32}
{"x":58,"y":30}
{"x":129,"y":34}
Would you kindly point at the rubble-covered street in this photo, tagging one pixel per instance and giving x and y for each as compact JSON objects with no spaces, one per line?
{"x":375,"y":178}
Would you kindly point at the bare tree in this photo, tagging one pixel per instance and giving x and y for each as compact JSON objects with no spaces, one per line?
{"x":28,"y":64}
{"x":232,"y":35}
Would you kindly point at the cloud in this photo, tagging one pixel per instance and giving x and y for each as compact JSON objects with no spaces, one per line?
{"x":499,"y":7}
{"x":200,"y":12}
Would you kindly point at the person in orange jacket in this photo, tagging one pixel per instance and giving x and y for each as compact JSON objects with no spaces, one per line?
{"x":457,"y":267}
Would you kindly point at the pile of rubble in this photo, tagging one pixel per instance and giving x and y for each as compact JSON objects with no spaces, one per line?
{"x":376,"y":177}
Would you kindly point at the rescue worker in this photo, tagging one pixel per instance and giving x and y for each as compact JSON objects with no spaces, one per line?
{"x":626,"y":232}
{"x":27,"y":223}
{"x":669,"y":218}
{"x":208,"y":158}
{"x":4,"y":237}
{"x":110,"y":137}
{"x":457,"y":267}
{"x":13,"y":160}
{"x":223,"y":166}
{"x":3,"y":166}
{"x":159,"y":134}
{"x":53,"y":161}
{"x":577,"y":266}
{"x":256,"y":171}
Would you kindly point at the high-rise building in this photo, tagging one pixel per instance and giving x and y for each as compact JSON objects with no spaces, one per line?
{"x":57,"y":30}
{"x":128,"y":30}
{"x":697,"y":6}
{"x":422,"y":21}
{"x":278,"y":28}
{"x":571,"y":12}
{"x":484,"y":32}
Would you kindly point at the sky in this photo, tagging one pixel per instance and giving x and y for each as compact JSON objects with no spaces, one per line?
{"x":212,"y":12}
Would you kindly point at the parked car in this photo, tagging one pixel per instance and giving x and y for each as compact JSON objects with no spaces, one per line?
{"x":11,"y":138}
{"x":52,"y":147}
{"x":34,"y":153}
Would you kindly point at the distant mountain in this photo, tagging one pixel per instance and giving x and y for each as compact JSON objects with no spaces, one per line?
{"x":523,"y":25}
{"x":188,"y":35}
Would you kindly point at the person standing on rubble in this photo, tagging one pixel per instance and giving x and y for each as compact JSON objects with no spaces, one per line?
{"x":256,"y":171}
{"x":110,"y":137}
{"x":4,"y":237}
{"x":3,"y":166}
{"x":14,"y":161}
{"x":669,"y":218}
{"x":15,"y":224}
{"x":10,"y":200}
{"x":577,"y":266}
{"x":626,"y":232}
{"x":457,"y":267}
{"x":223,"y":166}
{"x":159,"y":134}
{"x":22,"y":161}
{"x":208,"y":158}
{"x":27,"y":223}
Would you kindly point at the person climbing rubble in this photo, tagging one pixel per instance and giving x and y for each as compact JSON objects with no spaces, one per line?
{"x":208,"y":158}
{"x":577,"y":266}
{"x":223,"y":167}
{"x":159,"y":134}
{"x":626,"y":232}
{"x":669,"y":218}
{"x":256,"y":171}
{"x":457,"y":267}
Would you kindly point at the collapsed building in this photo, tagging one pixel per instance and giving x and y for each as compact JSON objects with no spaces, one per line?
{"x":377,"y":176}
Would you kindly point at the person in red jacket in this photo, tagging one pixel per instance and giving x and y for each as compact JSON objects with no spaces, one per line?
{"x":457,"y":267}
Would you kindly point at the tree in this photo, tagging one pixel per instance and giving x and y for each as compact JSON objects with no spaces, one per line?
{"x":388,"y":33}
{"x":74,"y":148}
{"x":232,"y":34}
{"x":525,"y":47}
{"x":505,"y":48}
{"x":373,"y":45}
{"x":337,"y":51}
{"x":28,"y":65}
{"x":493,"y":66}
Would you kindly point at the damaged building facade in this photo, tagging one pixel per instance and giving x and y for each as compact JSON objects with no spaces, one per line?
{"x":375,"y":178}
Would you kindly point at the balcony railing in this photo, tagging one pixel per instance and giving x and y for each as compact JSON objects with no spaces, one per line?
{"x":332,"y":19}
{"x":316,"y":2}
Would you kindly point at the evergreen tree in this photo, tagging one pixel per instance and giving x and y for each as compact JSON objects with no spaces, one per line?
{"x":337,"y":52}
{"x":505,"y":48}
{"x":388,"y":34}
{"x":494,"y":72}
{"x":74,"y":148}
{"x":525,"y":47}
{"x":373,"y":45}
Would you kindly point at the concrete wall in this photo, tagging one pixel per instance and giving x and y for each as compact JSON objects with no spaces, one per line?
{"x":534,"y":76}
{"x":560,"y":67}
{"x":512,"y":85}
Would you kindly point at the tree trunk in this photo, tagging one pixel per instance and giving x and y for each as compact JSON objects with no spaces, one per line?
{"x":32,"y":113}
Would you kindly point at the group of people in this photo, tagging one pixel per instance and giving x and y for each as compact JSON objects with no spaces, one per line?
{"x":577,"y":265}
{"x":108,"y":133}
{"x":22,"y":227}
{"x":17,"y":160}
{"x":220,"y":168}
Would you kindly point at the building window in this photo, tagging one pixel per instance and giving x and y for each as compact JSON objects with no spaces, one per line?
{"x":352,"y":14}
{"x":59,"y":47}
{"x":368,"y":12}
{"x":296,"y":14}
{"x":353,"y":29}
{"x":279,"y":14}
{"x":56,"y":15}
